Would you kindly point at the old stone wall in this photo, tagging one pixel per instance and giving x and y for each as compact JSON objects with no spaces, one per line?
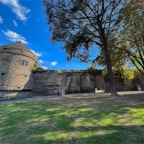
{"x":51,"y":82}
{"x":80,"y":81}
{"x":14,"y":75}
{"x":138,"y":82}
{"x":99,"y":81}
{"x":128,"y":85}
{"x":47,"y":82}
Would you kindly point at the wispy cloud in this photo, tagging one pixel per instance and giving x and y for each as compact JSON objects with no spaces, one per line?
{"x":54,"y":63}
{"x":15,"y":23}
{"x":36,"y":53}
{"x":17,"y":8}
{"x":41,"y":61}
{"x":1,"y":20}
{"x":14,"y":37}
{"x":45,"y":67}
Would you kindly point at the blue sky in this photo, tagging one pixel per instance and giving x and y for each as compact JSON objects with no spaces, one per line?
{"x":26,"y":20}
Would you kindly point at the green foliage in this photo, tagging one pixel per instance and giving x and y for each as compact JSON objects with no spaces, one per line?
{"x":37,"y":65}
{"x":129,"y":74}
{"x":130,"y":39}
{"x":92,"y":67}
{"x":34,"y":68}
{"x":121,"y":74}
{"x":118,"y":57}
{"x":82,"y":24}
{"x":59,"y":71}
{"x":127,"y":44}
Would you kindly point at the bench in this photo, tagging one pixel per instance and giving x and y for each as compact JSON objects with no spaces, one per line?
{"x":99,"y":90}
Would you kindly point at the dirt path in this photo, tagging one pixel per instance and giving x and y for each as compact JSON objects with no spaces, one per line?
{"x":123,"y":93}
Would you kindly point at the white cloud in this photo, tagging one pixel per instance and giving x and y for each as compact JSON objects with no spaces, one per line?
{"x":53,"y":63}
{"x":14,"y":37}
{"x":45,"y":67}
{"x":36,"y":53}
{"x":15,"y":23}
{"x":41,"y":61}
{"x":1,"y":20}
{"x":17,"y":8}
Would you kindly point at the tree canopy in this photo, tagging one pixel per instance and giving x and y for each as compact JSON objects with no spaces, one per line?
{"x":81,"y":24}
{"x":131,"y":37}
{"x":127,"y":44}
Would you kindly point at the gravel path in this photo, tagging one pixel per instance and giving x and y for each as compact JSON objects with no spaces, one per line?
{"x":71,"y":95}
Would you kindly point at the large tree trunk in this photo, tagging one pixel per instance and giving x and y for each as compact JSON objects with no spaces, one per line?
{"x":104,"y":47}
{"x":110,"y":72}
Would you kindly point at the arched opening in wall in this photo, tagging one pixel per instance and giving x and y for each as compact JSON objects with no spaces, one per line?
{"x":85,"y":83}
{"x":68,"y":83}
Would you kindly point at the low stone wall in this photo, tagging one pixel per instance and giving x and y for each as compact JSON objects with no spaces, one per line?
{"x":126,"y":86}
{"x":15,"y":95}
{"x":23,"y":94}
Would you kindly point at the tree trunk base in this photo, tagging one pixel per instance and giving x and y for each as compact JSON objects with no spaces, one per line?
{"x":115,"y":95}
{"x":114,"y":91}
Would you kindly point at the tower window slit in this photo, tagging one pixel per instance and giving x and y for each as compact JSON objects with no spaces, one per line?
{"x":24,"y":62}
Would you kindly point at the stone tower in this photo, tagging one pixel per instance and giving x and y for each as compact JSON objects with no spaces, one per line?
{"x":16,"y":63}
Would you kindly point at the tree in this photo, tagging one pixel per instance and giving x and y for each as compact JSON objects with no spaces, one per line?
{"x":127,"y":45}
{"x":130,"y":39}
{"x":81,"y":24}
{"x":92,"y":67}
{"x":132,"y":52}
{"x":118,"y":58}
{"x":37,"y":65}
{"x":134,"y":33}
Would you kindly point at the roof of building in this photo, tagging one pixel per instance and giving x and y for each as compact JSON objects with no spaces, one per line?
{"x":18,"y":46}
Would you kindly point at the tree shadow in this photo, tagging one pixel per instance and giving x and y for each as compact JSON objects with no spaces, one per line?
{"x":83,"y":120}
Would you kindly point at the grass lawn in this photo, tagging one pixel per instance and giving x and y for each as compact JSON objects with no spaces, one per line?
{"x":81,"y":119}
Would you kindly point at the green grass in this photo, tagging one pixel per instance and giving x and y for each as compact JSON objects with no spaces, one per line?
{"x":85,"y":119}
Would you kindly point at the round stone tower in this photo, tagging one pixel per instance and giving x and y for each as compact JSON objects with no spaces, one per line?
{"x":16,"y":63}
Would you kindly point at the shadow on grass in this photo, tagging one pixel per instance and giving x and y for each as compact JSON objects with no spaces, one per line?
{"x":83,"y":120}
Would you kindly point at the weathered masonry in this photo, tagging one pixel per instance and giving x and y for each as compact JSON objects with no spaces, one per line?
{"x":16,"y":63}
{"x":52,"y":82}
{"x":17,"y":78}
{"x":17,"y":75}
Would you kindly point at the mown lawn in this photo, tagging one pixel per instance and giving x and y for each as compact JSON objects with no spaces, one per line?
{"x":81,"y":119}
